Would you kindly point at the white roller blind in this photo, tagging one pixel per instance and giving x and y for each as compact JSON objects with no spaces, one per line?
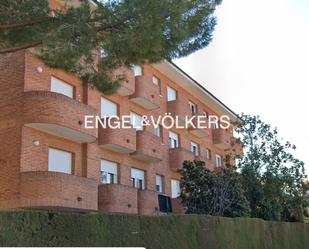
{"x":59,"y":161}
{"x":174,"y":139}
{"x":171,"y":94}
{"x":218,"y":161}
{"x":195,"y":148}
{"x":138,"y":175}
{"x":137,"y":70}
{"x":159,"y":183}
{"x":108,"y":108}
{"x":60,"y":86}
{"x":175,"y":187}
{"x":109,"y":167}
{"x":136,"y":121}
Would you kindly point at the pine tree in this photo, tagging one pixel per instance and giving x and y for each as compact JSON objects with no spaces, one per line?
{"x":128,"y":31}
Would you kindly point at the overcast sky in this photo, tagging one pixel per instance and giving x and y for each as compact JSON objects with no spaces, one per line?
{"x":258,"y":63}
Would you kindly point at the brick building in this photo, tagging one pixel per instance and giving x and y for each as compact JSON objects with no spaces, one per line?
{"x":49,"y":160}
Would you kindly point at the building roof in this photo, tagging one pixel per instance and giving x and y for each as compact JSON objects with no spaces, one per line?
{"x":175,"y":73}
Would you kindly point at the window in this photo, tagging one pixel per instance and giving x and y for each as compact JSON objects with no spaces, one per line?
{"x":103,"y":53}
{"x":195,"y":149}
{"x":138,"y":178}
{"x":138,"y":71}
{"x":208,"y":154}
{"x":108,"y":172}
{"x":155,"y":80}
{"x":159,"y":183}
{"x":136,"y":121}
{"x":174,"y":140}
{"x":59,"y":161}
{"x":171,"y":94}
{"x":218,"y":161}
{"x":175,"y":188}
{"x":59,"y":86}
{"x":158,"y":131}
{"x":108,"y":108}
{"x":193,"y":107}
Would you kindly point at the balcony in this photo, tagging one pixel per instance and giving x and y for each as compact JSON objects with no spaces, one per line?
{"x":148,"y":203}
{"x":148,"y":147}
{"x":221,"y":138}
{"x":178,"y":109}
{"x":177,"y":156}
{"x":198,"y":122}
{"x":178,"y":207}
{"x":117,"y":198}
{"x":237,"y":146}
{"x":58,"y":191}
{"x":127,"y":86}
{"x":57,"y":115}
{"x":146,"y":93}
{"x":118,"y":140}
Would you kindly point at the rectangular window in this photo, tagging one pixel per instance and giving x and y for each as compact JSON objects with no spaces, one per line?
{"x":173,"y":139}
{"x":193,"y":107}
{"x":108,"y":108}
{"x":175,"y":188}
{"x":208,"y":155}
{"x":136,"y":121}
{"x":158,"y":131}
{"x":138,"y":178}
{"x":108,"y":172}
{"x":59,"y":86}
{"x":218,"y":161}
{"x":171,"y":94}
{"x":195,"y":149}
{"x":159,"y":183}
{"x":103,"y":53}
{"x":59,"y":161}
{"x":155,"y":80}
{"x":138,"y":71}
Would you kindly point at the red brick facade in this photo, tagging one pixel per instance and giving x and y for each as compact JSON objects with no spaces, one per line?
{"x":34,"y":119}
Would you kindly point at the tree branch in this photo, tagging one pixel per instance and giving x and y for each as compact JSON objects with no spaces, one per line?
{"x":15,"y":49}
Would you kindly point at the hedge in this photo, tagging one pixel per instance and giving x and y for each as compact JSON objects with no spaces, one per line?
{"x":157,"y":232}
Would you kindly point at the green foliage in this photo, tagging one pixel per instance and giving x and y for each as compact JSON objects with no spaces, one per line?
{"x":217,"y":194}
{"x":272,"y":177}
{"x":128,"y":31}
{"x":46,"y":229}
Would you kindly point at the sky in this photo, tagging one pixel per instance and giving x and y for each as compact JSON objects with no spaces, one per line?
{"x":258,"y":63}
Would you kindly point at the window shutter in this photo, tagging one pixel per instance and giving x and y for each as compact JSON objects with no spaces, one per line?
{"x":60,"y":86}
{"x":59,"y":161}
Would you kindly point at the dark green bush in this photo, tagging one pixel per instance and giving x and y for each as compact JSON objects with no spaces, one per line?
{"x":157,"y":232}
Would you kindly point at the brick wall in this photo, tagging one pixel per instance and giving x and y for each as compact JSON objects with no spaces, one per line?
{"x":12,"y":68}
{"x":25,"y":99}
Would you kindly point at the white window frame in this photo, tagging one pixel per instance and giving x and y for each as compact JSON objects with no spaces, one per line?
{"x":193,"y":107}
{"x":158,"y":131}
{"x":137,"y":70}
{"x":173,"y":140}
{"x":218,"y":161}
{"x":175,"y":188}
{"x":208,"y":155}
{"x":60,"y":161}
{"x":171,"y":94}
{"x":136,"y":121}
{"x":156,"y":80}
{"x":109,"y":172}
{"x":196,"y":151}
{"x":138,"y":178}
{"x":159,"y":183}
{"x":59,"y":86}
{"x":108,"y":108}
